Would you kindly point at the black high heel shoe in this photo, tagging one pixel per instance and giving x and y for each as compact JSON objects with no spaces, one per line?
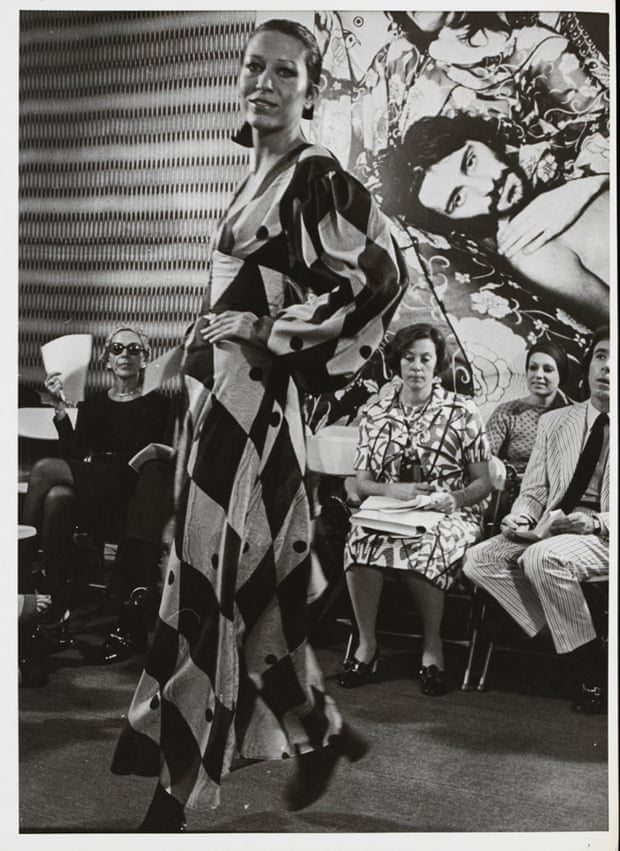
{"x":433,"y":681}
{"x":164,"y":815}
{"x":356,"y":673}
{"x":315,"y":769}
{"x":130,"y":634}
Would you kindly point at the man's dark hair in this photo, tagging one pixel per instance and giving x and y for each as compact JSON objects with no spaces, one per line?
{"x":427,"y":142}
{"x":601,"y":333}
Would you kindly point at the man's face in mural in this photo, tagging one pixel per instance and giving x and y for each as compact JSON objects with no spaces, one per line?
{"x":473,"y":181}
{"x":274,"y":83}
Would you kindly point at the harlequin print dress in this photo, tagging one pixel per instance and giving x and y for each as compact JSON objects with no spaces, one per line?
{"x":230,"y":671}
{"x":447,"y":435}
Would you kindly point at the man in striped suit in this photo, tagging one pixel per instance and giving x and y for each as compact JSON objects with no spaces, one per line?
{"x":539,"y":583}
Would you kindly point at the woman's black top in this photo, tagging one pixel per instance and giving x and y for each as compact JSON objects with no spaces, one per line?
{"x":123,"y":428}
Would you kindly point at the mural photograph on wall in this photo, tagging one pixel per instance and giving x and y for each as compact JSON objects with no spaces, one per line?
{"x":485,"y":136}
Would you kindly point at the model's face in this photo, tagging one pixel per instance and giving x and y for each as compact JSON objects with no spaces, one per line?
{"x":126,"y":354}
{"x":543,"y":378}
{"x":598,"y":376}
{"x":417,"y":367}
{"x":472,"y":181}
{"x":274,"y":83}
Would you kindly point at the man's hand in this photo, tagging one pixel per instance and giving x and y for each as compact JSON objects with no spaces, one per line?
{"x":512,"y":523}
{"x":577,"y":523}
{"x":547,"y":216}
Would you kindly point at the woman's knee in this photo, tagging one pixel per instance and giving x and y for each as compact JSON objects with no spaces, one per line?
{"x":50,"y":471}
{"x":60,"y":495}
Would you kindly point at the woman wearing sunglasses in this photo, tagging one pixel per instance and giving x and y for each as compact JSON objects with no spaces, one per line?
{"x":93,"y":486}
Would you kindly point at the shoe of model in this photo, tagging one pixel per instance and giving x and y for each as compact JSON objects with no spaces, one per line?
{"x":315,"y":769}
{"x":164,"y":815}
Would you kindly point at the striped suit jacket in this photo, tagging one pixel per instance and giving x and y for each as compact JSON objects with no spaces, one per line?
{"x":552,"y":463}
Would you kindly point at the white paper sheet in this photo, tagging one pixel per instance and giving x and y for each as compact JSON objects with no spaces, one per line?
{"x":162,"y":369}
{"x":70,"y":356}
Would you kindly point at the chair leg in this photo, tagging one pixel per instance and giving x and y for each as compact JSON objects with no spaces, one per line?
{"x":485,"y":669}
{"x":476,"y":620}
{"x":473,"y":641}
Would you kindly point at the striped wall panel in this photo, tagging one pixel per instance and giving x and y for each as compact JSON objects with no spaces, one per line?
{"x":126,"y":165}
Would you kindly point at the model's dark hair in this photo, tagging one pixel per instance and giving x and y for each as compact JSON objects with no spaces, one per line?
{"x":546,"y":347}
{"x":601,"y":333}
{"x":312,"y":54}
{"x":402,"y":169}
{"x":402,"y":341}
{"x":312,"y":57}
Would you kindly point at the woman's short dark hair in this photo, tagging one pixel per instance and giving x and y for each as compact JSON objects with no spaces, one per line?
{"x":601,"y":333}
{"x":402,"y":341}
{"x":554,"y":351}
{"x":312,"y":54}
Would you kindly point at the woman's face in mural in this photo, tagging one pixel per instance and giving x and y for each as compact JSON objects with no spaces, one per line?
{"x":274,"y":83}
{"x":543,"y":378}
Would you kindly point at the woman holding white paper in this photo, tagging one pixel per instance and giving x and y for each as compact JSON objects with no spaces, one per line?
{"x":93,"y":483}
{"x":417,"y":439}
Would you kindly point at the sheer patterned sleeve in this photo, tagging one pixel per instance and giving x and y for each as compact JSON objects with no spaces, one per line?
{"x":346,"y":270}
{"x":497,"y":430}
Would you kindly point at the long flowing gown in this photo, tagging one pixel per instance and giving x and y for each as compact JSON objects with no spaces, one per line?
{"x":230,"y":672}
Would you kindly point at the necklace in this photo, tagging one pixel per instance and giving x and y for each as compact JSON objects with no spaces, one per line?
{"x":120,"y":395}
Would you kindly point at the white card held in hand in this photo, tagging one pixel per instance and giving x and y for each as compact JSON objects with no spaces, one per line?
{"x":70,"y":356}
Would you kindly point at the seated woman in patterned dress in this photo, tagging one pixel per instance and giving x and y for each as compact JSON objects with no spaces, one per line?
{"x":417,"y":439}
{"x":511,"y":428}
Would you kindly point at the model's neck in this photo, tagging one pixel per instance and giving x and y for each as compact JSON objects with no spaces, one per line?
{"x":270,"y":147}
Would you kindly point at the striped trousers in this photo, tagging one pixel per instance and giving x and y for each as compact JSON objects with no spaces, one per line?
{"x":539,"y":584}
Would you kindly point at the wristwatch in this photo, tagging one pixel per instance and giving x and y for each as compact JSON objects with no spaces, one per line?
{"x":597,"y":525}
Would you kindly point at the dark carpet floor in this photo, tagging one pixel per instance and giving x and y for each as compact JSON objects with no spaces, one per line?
{"x":513,"y":758}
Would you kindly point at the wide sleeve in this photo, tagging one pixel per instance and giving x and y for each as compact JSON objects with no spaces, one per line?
{"x":497,"y":428}
{"x":348,"y":271}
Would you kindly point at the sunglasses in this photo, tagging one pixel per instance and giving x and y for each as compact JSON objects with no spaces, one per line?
{"x":131,"y":349}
